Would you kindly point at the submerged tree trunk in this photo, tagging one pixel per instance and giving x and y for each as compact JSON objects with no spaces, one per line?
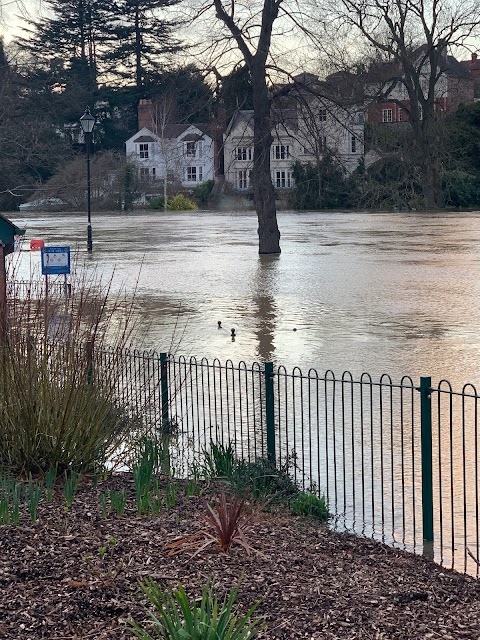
{"x":256,"y":60}
{"x":264,"y":193}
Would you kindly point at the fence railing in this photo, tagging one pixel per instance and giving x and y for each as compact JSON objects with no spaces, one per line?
{"x":396,"y":461}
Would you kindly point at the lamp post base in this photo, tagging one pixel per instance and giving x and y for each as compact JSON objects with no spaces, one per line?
{"x":89,"y":238}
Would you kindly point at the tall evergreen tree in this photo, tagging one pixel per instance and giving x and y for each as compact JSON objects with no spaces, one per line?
{"x":141,"y":40}
{"x":73,"y":33}
{"x":190,"y":97}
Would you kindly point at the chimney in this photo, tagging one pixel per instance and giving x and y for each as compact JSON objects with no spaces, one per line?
{"x":144,"y":114}
{"x":474,"y":57}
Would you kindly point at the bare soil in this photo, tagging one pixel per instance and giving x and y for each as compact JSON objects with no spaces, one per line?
{"x":74,"y":574}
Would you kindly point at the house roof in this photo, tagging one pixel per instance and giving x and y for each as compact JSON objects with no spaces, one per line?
{"x":175,"y":130}
{"x":192,"y":137}
{"x":342,"y":89}
{"x":241,"y":117}
{"x":145,"y":139}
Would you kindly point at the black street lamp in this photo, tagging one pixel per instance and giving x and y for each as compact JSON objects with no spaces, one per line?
{"x":87,"y":122}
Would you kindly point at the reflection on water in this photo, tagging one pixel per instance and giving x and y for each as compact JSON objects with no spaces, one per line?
{"x":266,"y":309}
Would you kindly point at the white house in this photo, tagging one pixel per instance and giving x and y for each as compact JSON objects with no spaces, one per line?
{"x":238,"y":154}
{"x":181,"y":153}
{"x":306,"y":129}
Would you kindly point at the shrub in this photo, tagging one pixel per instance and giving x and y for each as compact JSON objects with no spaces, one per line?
{"x":157,"y":203}
{"x":180,"y":203}
{"x":309,"y":504}
{"x":179,"y":619}
{"x":203,"y":190}
{"x":229,"y":522}
{"x":263,"y":481}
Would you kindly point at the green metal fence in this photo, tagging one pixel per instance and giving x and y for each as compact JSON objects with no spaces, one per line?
{"x":396,"y":461}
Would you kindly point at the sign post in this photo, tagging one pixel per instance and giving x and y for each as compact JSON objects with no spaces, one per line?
{"x":55,"y":261}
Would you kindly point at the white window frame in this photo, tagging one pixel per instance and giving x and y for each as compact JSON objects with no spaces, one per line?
{"x":143,"y":150}
{"x":353,"y":143}
{"x":322,"y":115}
{"x":191,"y":174}
{"x":281,"y":151}
{"x":190,"y":149}
{"x":387,"y":115}
{"x":243,"y":153}
{"x":322,"y":144}
{"x":243,"y":179}
{"x":200,"y":173}
{"x":282,"y":179}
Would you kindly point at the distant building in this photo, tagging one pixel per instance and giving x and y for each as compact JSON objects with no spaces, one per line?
{"x":311,"y":121}
{"x":455,"y":86}
{"x":181,"y":153}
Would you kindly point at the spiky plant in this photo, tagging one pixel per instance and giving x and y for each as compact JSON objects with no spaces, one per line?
{"x":178,"y":618}
{"x":229,"y":521}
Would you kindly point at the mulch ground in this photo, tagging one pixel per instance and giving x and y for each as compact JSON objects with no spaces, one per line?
{"x":74,"y":574}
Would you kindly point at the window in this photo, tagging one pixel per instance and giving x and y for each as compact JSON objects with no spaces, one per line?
{"x":322,"y":115}
{"x":386,"y":115}
{"x":143,"y":172}
{"x":200,"y":174}
{"x":243,"y":153}
{"x":353,"y":144}
{"x":154,"y":171}
{"x":283,"y":179}
{"x":143,"y":149}
{"x":190,"y":149}
{"x":280,"y":152}
{"x":400,"y":114}
{"x":191,"y":174}
{"x":243,"y":179}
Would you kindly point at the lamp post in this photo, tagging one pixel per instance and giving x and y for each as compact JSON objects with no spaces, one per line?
{"x":87,"y":122}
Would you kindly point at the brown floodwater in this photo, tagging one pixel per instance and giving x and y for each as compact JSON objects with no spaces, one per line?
{"x":387,"y":292}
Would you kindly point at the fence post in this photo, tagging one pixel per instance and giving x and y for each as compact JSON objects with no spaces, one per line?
{"x":164,"y":386}
{"x":427,"y":465}
{"x":270,"y":412}
{"x":89,"y":350}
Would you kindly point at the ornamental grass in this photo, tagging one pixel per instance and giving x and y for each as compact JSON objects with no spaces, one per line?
{"x":56,"y":410}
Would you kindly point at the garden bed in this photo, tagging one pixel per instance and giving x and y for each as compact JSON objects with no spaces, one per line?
{"x":74,"y":574}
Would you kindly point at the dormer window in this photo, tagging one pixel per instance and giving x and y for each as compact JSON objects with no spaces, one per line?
{"x":193,"y":149}
{"x":143,"y":149}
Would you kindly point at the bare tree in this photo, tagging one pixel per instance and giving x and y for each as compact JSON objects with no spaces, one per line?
{"x":255,"y":51}
{"x":413,"y":38}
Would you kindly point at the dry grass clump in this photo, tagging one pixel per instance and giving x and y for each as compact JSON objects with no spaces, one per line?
{"x":56,"y":409}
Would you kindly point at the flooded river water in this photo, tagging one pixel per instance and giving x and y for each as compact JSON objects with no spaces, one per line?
{"x":395,"y":293}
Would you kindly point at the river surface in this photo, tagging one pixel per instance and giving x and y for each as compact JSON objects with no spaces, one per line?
{"x":396,"y":293}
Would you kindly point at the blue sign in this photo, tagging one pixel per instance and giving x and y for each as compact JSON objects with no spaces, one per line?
{"x":55,"y":260}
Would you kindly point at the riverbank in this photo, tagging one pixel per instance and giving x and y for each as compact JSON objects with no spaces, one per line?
{"x":74,"y":574}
